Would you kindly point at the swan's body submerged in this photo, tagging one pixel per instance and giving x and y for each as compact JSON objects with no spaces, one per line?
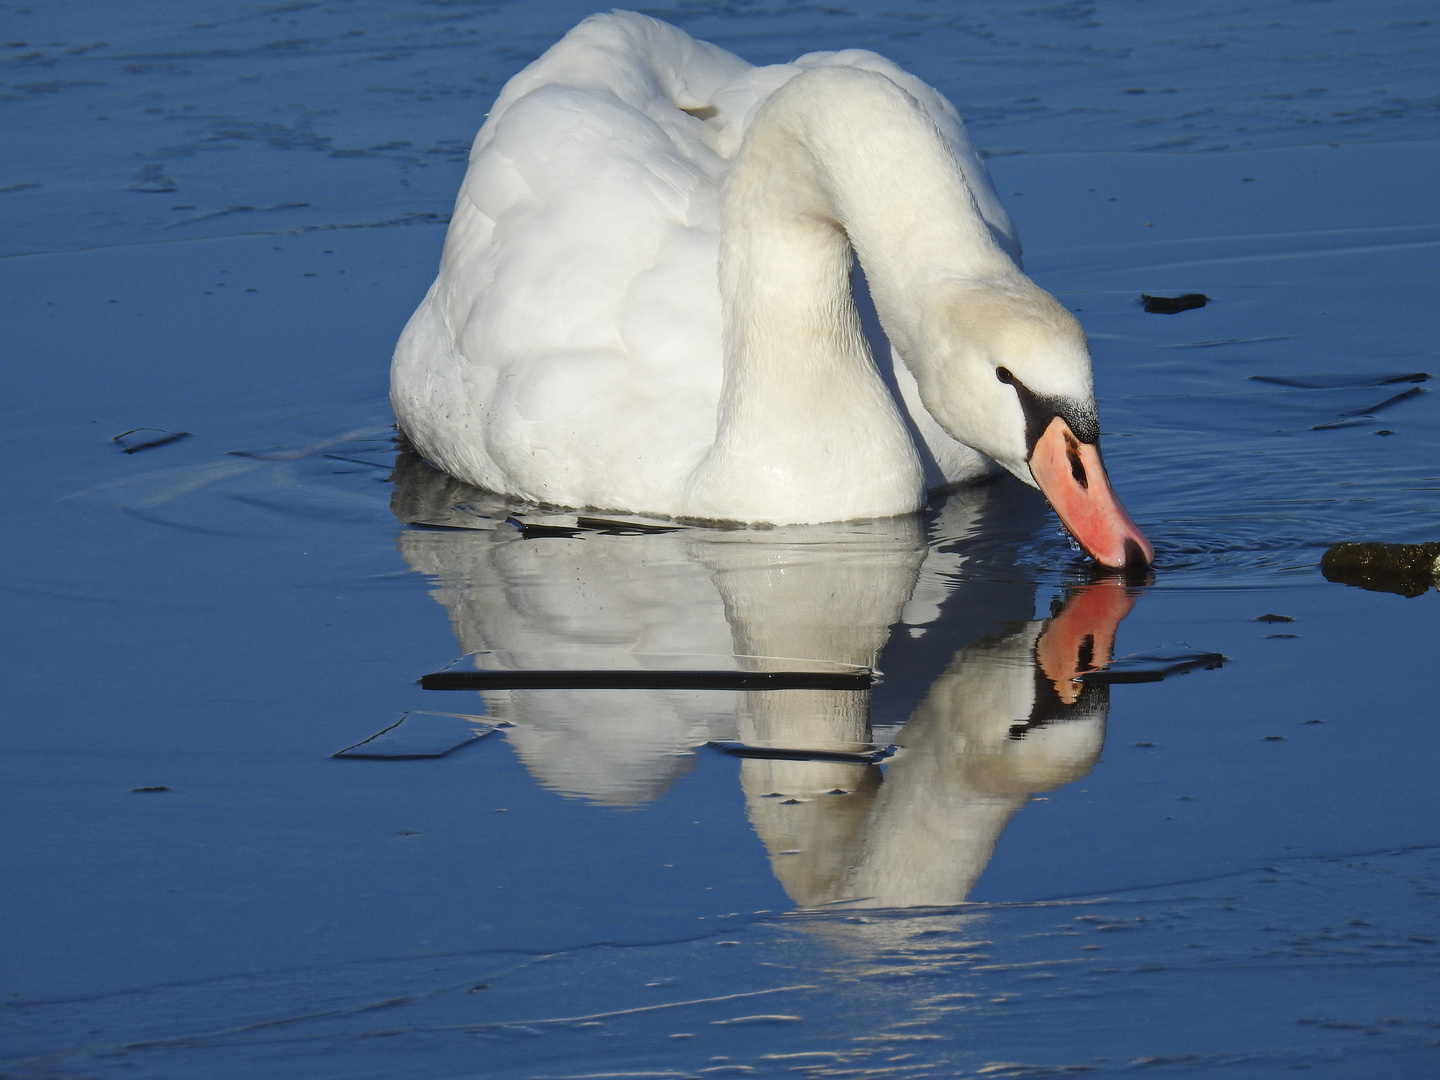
{"x":644,"y":301}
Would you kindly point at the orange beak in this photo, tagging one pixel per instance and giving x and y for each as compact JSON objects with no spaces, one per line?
{"x":1082,"y":637}
{"x":1073,"y":478}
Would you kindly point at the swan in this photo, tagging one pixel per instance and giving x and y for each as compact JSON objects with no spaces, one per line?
{"x":644,"y":302}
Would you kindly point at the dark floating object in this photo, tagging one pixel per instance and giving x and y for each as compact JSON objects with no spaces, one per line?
{"x":1406,"y":569}
{"x":530,"y":531}
{"x":535,"y":530}
{"x":146,"y":438}
{"x":623,"y":528}
{"x":1368,"y":413}
{"x":795,"y":753}
{"x":147,"y":790}
{"x":419,"y":735}
{"x":622,"y":679}
{"x":1384,"y":381}
{"x":1173,"y":305}
{"x":1340,"y":381}
{"x":1152,"y":666}
{"x":1274,"y":618}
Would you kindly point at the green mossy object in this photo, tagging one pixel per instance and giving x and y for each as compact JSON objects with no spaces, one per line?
{"x":1407,"y":569}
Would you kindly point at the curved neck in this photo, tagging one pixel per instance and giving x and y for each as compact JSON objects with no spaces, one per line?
{"x":838,"y":159}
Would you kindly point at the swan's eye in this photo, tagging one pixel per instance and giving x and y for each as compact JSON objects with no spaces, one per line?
{"x":1003,"y":374}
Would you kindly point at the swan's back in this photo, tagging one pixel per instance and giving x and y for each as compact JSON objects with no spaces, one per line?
{"x":569,"y":351}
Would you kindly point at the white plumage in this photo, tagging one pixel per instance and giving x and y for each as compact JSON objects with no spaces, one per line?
{"x":575,"y":349}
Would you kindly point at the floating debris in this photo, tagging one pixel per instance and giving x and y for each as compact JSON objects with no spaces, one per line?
{"x":146,"y":438}
{"x":1406,"y":569}
{"x":868,"y":755}
{"x":1274,"y":618}
{"x":531,"y":531}
{"x":609,"y":679}
{"x":1152,"y":665}
{"x":1341,"y":381}
{"x":535,"y":530}
{"x":420,"y":735}
{"x":1354,"y":416}
{"x":623,"y":528}
{"x":1173,"y":305}
{"x":620,"y":669}
{"x":1347,"y":399}
{"x":1214,"y":342}
{"x":148,"y":790}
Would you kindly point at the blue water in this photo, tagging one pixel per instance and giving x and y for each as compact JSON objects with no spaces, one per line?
{"x":1191,"y":875}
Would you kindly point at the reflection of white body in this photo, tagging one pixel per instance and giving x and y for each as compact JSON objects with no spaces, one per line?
{"x":831,"y":593}
{"x":809,"y":592}
{"x":570,"y":350}
{"x":606,"y":598}
{"x":804,"y":592}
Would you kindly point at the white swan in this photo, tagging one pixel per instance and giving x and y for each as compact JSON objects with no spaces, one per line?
{"x":578,"y":347}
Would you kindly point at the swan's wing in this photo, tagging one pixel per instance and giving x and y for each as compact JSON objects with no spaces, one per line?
{"x":569,"y":351}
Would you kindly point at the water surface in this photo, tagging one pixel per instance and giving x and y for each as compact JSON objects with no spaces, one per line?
{"x":1229,"y":869}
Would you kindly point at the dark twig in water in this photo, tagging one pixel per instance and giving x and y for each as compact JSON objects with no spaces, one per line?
{"x":567,"y":679}
{"x":788,"y":753}
{"x":146,"y":438}
{"x":1152,"y":666}
{"x":1173,"y":305}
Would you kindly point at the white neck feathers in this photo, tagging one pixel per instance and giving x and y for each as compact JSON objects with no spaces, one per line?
{"x":837,"y":159}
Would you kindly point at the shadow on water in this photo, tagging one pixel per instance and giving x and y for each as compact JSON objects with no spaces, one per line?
{"x":982,"y":703}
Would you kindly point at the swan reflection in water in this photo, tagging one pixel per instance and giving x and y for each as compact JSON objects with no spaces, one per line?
{"x":980,"y":698}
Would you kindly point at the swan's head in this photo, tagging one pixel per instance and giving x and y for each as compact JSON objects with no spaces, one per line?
{"x":1005,"y":369}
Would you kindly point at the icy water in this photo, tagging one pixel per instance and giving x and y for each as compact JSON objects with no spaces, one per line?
{"x":215,"y":218}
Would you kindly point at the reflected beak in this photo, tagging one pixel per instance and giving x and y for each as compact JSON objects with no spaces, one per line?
{"x":1072,"y":477}
{"x":1082,"y":637}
